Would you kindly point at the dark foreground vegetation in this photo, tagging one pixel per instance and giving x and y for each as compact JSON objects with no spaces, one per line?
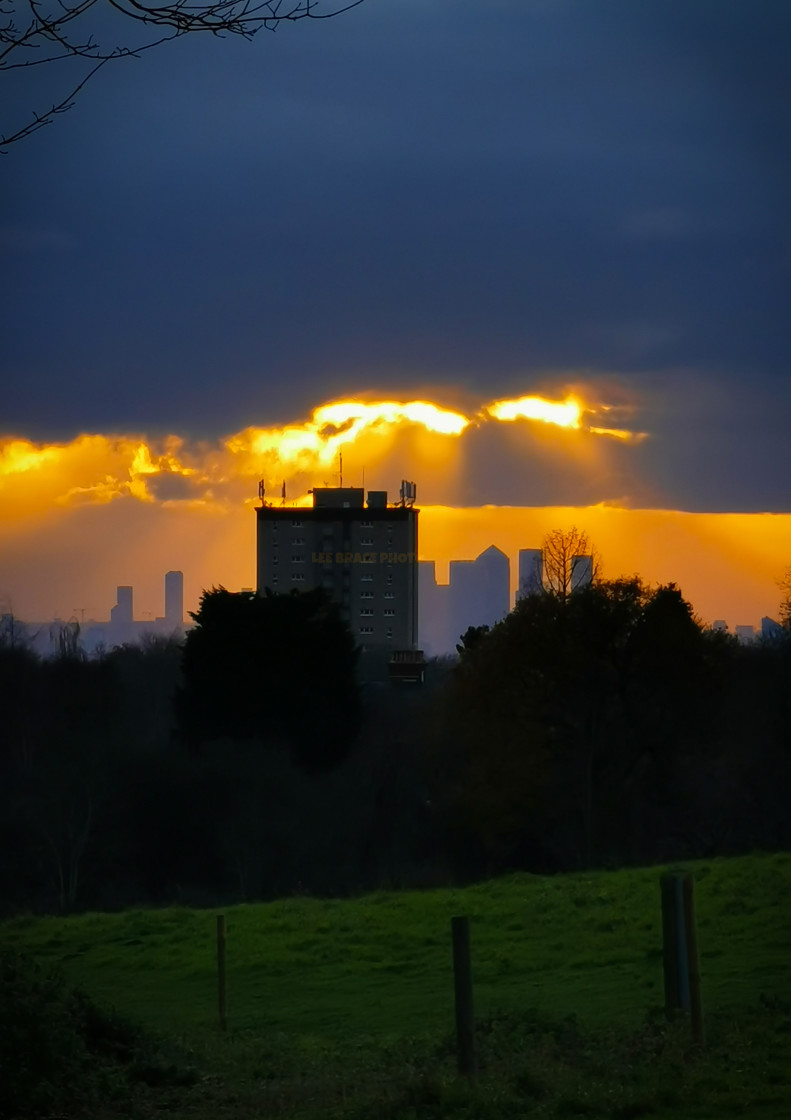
{"x":344,"y":1008}
{"x":599,"y":728}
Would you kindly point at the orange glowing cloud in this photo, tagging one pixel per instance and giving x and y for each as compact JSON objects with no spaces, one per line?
{"x":310,"y":448}
{"x":102,"y":468}
{"x":81,"y":516}
{"x":17,"y":456}
{"x":568,"y":413}
{"x":89,"y":469}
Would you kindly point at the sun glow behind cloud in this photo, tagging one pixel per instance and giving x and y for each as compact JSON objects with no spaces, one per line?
{"x":100,"y":468}
{"x":566,"y":414}
{"x":79,"y":517}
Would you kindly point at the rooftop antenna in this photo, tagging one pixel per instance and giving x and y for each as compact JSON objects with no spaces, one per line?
{"x":283,"y":494}
{"x":261,"y":492}
{"x":340,"y":468}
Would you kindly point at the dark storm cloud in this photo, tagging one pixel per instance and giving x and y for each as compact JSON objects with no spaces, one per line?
{"x":169,"y":487}
{"x":483,"y":196}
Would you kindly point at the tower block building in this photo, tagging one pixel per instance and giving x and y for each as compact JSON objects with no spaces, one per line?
{"x":363,"y":553}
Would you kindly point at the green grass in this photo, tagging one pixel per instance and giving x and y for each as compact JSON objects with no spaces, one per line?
{"x":348,"y":1004}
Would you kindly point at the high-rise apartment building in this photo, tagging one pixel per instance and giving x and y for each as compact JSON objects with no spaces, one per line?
{"x":364,"y":553}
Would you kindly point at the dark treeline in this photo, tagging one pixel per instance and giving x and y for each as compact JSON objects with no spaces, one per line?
{"x":600,"y":728}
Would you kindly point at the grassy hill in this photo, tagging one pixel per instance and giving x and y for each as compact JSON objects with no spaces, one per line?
{"x":346,"y":1008}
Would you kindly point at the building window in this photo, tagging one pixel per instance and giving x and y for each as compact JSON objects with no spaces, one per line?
{"x":275,"y":560}
{"x":297,"y":576}
{"x":366,"y":594}
{"x":297,"y":559}
{"x":366,"y":524}
{"x":366,"y":540}
{"x":389,"y":579}
{"x":389,"y":614}
{"x":389,"y":631}
{"x":366,"y":629}
{"x":365,"y":612}
{"x":297,"y":540}
{"x":296,"y":524}
{"x":366,"y":579}
{"x":389,"y":595}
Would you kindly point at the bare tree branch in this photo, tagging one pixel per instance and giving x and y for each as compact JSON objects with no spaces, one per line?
{"x":560,"y":552}
{"x":44,"y":32}
{"x":784,"y":583}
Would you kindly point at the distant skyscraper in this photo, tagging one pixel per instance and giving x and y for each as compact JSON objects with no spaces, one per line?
{"x":531,"y":572}
{"x":480,"y":591}
{"x":433,"y":602}
{"x":121,"y":613}
{"x":581,"y":572}
{"x":174,"y":599}
{"x":121,"y":628}
{"x":770,"y":628}
{"x":745,"y":634}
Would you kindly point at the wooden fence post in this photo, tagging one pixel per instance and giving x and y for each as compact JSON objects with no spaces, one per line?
{"x":462,"y":984}
{"x":680,"y":950}
{"x":221,"y":970}
{"x":695,"y":1002}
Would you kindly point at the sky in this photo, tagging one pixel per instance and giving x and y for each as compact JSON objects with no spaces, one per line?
{"x":414,"y":201}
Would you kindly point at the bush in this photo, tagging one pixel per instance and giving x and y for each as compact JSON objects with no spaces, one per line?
{"x":62,"y":1055}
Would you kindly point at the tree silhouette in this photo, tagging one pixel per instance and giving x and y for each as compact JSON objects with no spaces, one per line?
{"x":559,"y":552}
{"x":471,"y":637}
{"x":785,"y":607}
{"x":58,"y":33}
{"x":273,"y":668}
{"x":557,"y":725}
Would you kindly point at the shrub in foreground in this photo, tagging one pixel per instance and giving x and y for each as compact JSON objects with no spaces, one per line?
{"x":62,"y":1055}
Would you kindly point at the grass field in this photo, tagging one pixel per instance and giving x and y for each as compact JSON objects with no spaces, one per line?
{"x":345,"y":1008}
